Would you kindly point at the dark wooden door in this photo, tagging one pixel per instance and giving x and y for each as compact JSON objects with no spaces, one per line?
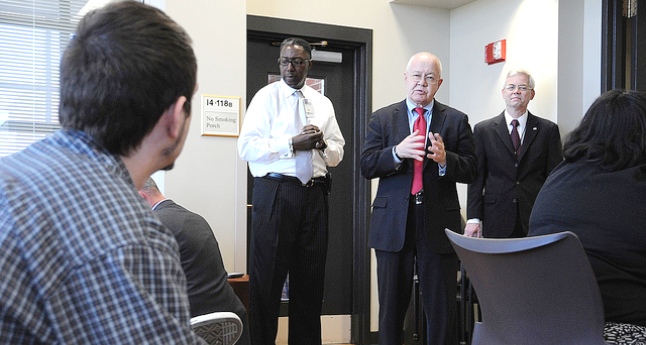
{"x":624,"y":51}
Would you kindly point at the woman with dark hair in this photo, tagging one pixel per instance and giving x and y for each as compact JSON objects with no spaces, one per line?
{"x":599,"y":193}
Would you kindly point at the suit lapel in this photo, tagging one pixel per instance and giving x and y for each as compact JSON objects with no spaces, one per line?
{"x":402,"y":130}
{"x":401,"y":118}
{"x":439,"y":116}
{"x":531,"y":130}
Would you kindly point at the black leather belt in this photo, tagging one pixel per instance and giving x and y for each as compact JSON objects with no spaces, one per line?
{"x":418,"y":198}
{"x":310,"y":183}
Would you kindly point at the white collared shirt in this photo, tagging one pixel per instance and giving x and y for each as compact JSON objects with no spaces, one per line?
{"x":412,"y":114}
{"x":269,"y":125}
{"x":522,"y":124}
{"x":157,"y":203}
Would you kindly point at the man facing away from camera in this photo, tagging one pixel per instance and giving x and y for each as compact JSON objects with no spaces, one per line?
{"x":84,"y":260}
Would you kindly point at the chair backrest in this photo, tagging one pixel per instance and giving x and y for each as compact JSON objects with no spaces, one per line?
{"x":534,"y":290}
{"x":221,"y":328}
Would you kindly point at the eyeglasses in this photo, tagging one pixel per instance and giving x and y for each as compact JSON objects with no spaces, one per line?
{"x":416,"y":77}
{"x":296,"y":62}
{"x":521,"y":88}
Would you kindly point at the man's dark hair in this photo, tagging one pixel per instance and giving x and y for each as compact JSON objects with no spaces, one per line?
{"x":126,"y":64}
{"x":612,"y":134}
{"x":299,"y":42}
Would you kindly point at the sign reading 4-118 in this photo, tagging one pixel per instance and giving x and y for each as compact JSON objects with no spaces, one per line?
{"x":220,"y":115}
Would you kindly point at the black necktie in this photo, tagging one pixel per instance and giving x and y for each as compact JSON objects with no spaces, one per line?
{"x":515,"y":138}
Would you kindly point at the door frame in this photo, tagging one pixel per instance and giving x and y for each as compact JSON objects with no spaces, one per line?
{"x":623,"y":60}
{"x":359,"y":40}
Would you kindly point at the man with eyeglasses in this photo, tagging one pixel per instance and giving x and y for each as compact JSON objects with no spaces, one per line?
{"x":511,"y":171}
{"x":289,"y":137}
{"x":418,"y":136}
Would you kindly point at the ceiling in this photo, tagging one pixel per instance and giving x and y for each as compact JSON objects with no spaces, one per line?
{"x":443,"y":4}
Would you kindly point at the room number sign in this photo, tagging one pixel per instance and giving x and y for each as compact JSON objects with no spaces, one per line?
{"x":220,"y":115}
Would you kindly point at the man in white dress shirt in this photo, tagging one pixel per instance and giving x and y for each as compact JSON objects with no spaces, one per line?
{"x":289,"y":137}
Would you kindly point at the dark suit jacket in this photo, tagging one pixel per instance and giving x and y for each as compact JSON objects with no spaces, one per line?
{"x":388,"y":127}
{"x":206,"y":278}
{"x":505,"y":186}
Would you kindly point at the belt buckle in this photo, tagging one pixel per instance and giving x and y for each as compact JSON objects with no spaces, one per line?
{"x":419,"y":198}
{"x":309,"y":183}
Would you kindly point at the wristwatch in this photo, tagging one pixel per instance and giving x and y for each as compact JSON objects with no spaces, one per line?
{"x":321,"y":145}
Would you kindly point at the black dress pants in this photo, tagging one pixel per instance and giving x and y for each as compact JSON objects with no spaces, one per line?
{"x":289,"y":235}
{"x":437,"y":275}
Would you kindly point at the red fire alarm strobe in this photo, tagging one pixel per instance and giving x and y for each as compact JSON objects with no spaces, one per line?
{"x":496,"y":52}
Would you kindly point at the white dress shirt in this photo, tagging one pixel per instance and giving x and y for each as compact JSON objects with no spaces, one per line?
{"x":522,"y":124}
{"x":269,"y":124}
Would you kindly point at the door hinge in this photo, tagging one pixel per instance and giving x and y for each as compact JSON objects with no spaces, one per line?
{"x":630,"y":8}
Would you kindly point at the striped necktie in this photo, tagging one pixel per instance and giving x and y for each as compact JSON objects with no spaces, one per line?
{"x":304,"y":168}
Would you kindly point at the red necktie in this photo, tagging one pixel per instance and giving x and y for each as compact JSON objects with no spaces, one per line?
{"x":420,"y":125}
{"x":515,"y":138}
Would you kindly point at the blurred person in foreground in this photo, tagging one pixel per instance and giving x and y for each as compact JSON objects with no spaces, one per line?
{"x":419,"y":149}
{"x":599,"y":193}
{"x":84,"y":260}
{"x":208,"y":288}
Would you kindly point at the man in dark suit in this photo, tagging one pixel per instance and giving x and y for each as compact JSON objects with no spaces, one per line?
{"x":509,"y":178}
{"x":409,"y":215}
{"x":206,"y":278}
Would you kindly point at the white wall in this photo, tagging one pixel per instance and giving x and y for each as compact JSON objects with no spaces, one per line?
{"x":557,"y":41}
{"x":208,"y":177}
{"x":579,"y":70}
{"x":530,"y":28}
{"x":399,"y":31}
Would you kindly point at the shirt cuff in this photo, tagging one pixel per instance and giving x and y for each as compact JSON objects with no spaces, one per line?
{"x":397,"y":159}
{"x":285,"y":148}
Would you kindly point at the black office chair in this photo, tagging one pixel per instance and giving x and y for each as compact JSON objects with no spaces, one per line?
{"x":467,"y":307}
{"x":536,"y":290}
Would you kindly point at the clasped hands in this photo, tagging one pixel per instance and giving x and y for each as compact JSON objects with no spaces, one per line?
{"x":413,"y":147}
{"x":310,"y":137}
